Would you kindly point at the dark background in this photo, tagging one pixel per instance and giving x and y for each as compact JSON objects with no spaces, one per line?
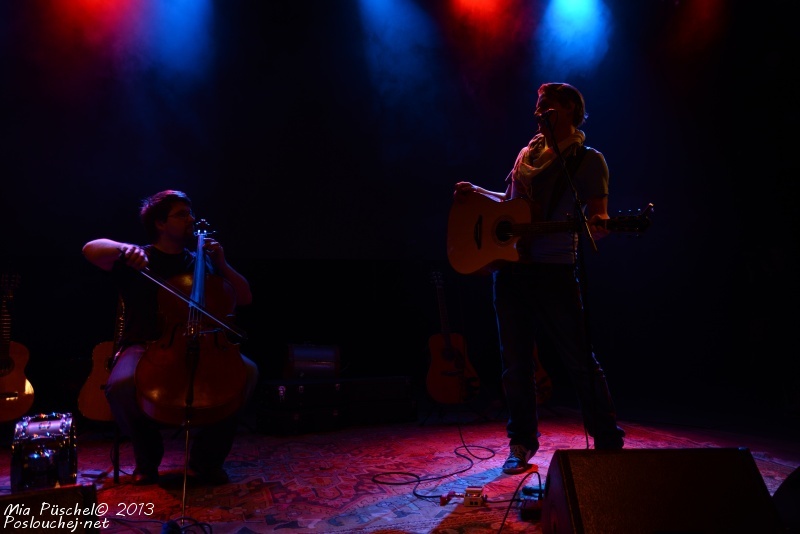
{"x":329,"y":186}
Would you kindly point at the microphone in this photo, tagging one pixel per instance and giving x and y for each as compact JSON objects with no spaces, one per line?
{"x":544,"y":115}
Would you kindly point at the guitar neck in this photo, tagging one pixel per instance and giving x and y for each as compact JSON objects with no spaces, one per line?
{"x":443,"y":319}
{"x":5,"y":327}
{"x":623,"y":223}
{"x":8,"y":282}
{"x":543,"y":227}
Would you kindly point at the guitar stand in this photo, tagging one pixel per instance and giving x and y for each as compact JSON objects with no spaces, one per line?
{"x":442,"y":408}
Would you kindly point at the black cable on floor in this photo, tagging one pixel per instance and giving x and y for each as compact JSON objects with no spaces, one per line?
{"x":416,"y":480}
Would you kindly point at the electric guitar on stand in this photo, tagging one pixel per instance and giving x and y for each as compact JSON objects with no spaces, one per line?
{"x":451,"y":378}
{"x":92,"y":402}
{"x":16,"y":392}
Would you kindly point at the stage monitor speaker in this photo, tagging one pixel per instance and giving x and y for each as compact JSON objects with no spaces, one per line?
{"x":787,"y":500}
{"x":62,"y":509}
{"x":657,"y":491}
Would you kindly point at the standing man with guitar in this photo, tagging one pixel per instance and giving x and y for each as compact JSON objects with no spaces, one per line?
{"x":540,"y":295}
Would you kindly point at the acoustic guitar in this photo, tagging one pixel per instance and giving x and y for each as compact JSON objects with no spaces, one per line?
{"x":92,"y":402}
{"x":16,"y":391}
{"x":483,"y":233}
{"x":451,"y":378}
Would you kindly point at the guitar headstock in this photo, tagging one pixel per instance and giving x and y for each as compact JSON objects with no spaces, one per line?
{"x":632,"y":224}
{"x":8,"y":283}
{"x":436,"y":279}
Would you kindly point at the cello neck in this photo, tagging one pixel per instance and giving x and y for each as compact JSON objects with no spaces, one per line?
{"x":196,"y":301}
{"x":198,"y":285}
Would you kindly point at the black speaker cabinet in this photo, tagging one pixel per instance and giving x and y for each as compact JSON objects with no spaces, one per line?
{"x":787,"y":500}
{"x":62,"y":509}
{"x":657,"y":491}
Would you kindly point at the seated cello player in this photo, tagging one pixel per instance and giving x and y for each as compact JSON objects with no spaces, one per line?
{"x":169,"y":223}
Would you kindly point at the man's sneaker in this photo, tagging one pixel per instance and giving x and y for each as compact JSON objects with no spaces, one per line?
{"x":517,"y":461}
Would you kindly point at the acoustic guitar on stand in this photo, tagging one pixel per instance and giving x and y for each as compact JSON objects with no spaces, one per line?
{"x":451,"y":378}
{"x":483,"y":233}
{"x":92,"y":402}
{"x":16,"y":391}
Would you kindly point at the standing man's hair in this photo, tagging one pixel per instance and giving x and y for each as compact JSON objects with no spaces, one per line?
{"x":567,"y":94}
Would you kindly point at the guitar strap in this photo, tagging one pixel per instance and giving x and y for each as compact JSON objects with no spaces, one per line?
{"x":574,"y":161}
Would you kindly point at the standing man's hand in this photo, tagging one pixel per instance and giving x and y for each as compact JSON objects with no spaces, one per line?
{"x":597,"y":227}
{"x":462,"y":188}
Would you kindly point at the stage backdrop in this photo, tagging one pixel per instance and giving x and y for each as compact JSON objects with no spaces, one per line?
{"x":321,"y":140}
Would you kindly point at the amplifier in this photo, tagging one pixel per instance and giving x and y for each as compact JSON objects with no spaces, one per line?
{"x":298,"y":406}
{"x":311,"y":361}
{"x":44,"y":453}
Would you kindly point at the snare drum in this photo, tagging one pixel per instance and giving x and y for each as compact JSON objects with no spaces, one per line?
{"x":44,"y":452}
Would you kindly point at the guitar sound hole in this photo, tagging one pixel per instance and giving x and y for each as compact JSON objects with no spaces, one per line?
{"x":503,"y":231}
{"x":454,"y":355}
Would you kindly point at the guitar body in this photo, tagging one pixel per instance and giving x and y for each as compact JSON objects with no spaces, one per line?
{"x":451,"y":378}
{"x":92,"y":402}
{"x":483,"y":233}
{"x":16,"y":391}
{"x":475,"y":243}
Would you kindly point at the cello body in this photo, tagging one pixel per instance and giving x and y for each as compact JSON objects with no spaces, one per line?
{"x":193,"y":374}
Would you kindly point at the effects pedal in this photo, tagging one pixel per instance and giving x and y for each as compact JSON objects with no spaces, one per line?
{"x":530,"y":504}
{"x":474,"y":496}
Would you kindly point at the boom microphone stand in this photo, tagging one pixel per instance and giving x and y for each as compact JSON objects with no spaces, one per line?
{"x":532,"y":501}
{"x":544,"y":119}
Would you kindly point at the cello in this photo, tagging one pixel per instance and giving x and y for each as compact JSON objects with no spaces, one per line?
{"x":193,"y":374}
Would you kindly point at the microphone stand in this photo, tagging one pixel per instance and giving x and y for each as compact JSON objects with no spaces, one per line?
{"x":585,"y":224}
{"x":578,"y":203}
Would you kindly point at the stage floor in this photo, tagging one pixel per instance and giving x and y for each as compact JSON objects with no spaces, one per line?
{"x":406,"y":477}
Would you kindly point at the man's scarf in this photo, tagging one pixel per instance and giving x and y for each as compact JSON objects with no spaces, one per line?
{"x":537,"y":156}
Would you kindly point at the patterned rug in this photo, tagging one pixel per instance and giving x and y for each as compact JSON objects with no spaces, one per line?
{"x":399,"y":478}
